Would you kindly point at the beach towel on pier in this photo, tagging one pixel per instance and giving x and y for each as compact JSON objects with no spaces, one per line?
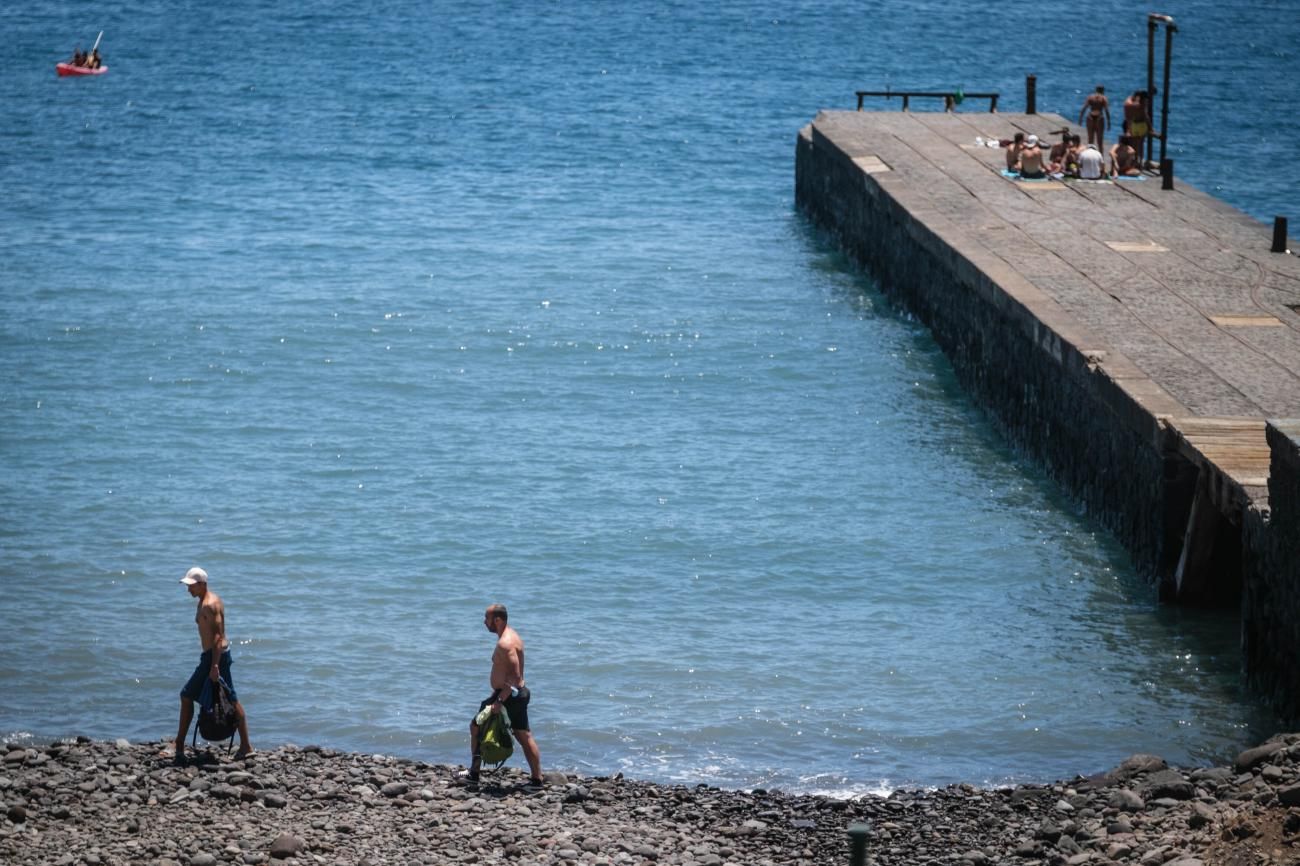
{"x":1015,"y":175}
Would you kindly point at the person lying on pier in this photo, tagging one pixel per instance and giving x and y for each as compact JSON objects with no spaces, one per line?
{"x":1124,"y":159}
{"x":1032,"y":166}
{"x":1014,"y":147}
{"x":1092,"y":165}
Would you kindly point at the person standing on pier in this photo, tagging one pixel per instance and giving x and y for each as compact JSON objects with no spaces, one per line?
{"x":1097,"y":107}
{"x":214,"y":662}
{"x":1137,"y":117}
{"x":508,"y":690}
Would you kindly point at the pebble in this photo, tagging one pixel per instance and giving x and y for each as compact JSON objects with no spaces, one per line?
{"x":286,"y":845}
{"x":309,"y":806}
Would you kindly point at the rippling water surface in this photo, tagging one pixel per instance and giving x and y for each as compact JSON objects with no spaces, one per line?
{"x":382,"y":312}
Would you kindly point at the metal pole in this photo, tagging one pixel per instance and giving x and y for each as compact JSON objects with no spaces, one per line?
{"x":1152,"y":24}
{"x":858,"y":842}
{"x":1166,"y":173}
{"x":1279,"y":234}
{"x":1031,"y":94}
{"x":1170,"y":30}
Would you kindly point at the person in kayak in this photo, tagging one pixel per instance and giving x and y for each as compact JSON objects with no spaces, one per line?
{"x":94,"y":62}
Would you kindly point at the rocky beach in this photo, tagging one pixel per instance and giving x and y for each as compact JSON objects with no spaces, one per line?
{"x":99,"y":803}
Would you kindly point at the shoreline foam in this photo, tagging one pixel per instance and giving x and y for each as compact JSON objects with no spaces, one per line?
{"x":116,"y":802}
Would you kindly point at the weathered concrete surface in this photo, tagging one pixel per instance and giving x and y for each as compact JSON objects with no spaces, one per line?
{"x":1131,"y":338}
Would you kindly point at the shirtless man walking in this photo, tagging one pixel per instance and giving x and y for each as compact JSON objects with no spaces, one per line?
{"x":1097,"y":107}
{"x":213,"y":663}
{"x":508,"y":690}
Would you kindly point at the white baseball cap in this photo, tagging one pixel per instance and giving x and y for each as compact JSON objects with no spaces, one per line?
{"x":195,"y":575}
{"x":1031,"y":140}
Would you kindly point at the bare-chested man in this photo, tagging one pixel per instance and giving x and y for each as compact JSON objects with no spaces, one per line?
{"x":1013,"y":151}
{"x":210,"y":617}
{"x":508,"y":689}
{"x":1124,"y":159}
{"x":1032,"y":166}
{"x":1056,"y":157}
{"x":1097,"y":107}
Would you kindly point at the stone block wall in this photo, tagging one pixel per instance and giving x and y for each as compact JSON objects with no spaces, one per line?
{"x":1270,"y":610}
{"x":1048,"y":397}
{"x":1085,"y":424}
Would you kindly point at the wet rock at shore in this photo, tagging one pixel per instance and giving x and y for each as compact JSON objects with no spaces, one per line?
{"x":117,"y":803}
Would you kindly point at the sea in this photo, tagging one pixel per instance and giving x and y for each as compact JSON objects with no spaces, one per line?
{"x":382,"y":311}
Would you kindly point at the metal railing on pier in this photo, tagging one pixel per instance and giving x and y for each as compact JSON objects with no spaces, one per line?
{"x":950,"y":100}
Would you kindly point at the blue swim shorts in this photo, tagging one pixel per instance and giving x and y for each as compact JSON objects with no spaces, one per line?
{"x":194,"y":686}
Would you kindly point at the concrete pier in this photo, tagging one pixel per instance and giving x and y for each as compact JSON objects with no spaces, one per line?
{"x":1142,"y":343}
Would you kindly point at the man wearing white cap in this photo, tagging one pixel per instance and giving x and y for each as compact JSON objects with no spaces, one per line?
{"x":213,"y":663}
{"x":1031,"y":160}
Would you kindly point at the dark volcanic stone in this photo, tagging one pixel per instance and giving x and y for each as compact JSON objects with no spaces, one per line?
{"x":1170,"y":784}
{"x":1289,"y":796}
{"x":1135,"y":765}
{"x":1251,"y":758}
{"x":286,"y":845}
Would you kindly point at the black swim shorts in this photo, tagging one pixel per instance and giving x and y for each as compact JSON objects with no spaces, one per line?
{"x":516,"y":705}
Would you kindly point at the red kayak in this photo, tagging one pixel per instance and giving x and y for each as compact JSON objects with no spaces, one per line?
{"x":65,"y":69}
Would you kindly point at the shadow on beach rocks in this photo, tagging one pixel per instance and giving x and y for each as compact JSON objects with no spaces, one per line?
{"x":95,"y":803}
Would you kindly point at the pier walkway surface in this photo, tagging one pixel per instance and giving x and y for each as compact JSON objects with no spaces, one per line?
{"x":1143,"y":343}
{"x":1173,"y":291}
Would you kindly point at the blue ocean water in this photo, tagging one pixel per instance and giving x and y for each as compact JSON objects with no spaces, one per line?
{"x":385,"y":311}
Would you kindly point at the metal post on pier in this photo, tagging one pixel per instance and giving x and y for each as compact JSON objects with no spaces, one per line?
{"x":858,"y":844}
{"x":1031,"y":94}
{"x":1154,"y":21}
{"x":1166,"y":173}
{"x":1170,"y":30}
{"x":1152,"y":24}
{"x":1279,"y":235}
